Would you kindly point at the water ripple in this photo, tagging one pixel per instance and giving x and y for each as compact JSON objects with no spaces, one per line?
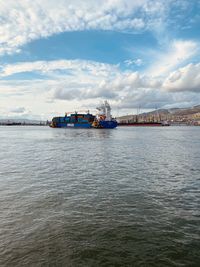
{"x":124,"y":197}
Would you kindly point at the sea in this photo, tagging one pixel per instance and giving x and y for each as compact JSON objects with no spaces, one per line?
{"x":99,"y":197}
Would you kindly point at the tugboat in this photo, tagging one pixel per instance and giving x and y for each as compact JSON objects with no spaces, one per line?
{"x":103,"y":119}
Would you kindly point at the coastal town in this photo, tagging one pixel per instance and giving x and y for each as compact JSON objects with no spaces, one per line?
{"x":175,"y":116}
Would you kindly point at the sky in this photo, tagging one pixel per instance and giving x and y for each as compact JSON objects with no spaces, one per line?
{"x":58,"y":56}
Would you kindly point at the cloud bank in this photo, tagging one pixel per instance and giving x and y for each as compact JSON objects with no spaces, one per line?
{"x":79,"y":80}
{"x":24,"y":21}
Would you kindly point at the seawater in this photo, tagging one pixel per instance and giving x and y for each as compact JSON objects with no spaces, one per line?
{"x":95,"y":197}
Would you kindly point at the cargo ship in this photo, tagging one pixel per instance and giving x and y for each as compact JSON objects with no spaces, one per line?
{"x":102,"y":120}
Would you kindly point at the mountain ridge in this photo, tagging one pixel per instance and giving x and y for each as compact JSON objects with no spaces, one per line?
{"x":186,"y":115}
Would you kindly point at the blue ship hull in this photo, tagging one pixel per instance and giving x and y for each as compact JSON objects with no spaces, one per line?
{"x":108,"y":124}
{"x":103,"y":124}
{"x":73,"y":125}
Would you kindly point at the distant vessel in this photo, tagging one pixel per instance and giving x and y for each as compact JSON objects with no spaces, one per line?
{"x":103,"y":119}
{"x":143,"y":124}
{"x":136,"y":122}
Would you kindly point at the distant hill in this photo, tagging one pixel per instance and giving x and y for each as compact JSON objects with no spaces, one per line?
{"x":186,"y":115}
{"x":21,"y":121}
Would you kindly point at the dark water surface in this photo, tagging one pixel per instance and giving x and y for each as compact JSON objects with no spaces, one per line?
{"x":123,"y":197}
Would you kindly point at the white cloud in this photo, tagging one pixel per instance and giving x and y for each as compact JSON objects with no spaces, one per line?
{"x":17,"y":110}
{"x":24,"y":21}
{"x":178,"y":53}
{"x":137,"y":62}
{"x":184,"y":79}
{"x":154,"y":98}
{"x":48,"y":67}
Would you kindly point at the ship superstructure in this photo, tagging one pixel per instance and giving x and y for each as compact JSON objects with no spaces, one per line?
{"x":103,"y":117}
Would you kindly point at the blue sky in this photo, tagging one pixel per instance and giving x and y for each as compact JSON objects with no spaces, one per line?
{"x":58,"y":56}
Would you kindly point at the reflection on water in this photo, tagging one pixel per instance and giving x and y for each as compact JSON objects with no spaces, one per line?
{"x":86,"y":133}
{"x":96,"y":197}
